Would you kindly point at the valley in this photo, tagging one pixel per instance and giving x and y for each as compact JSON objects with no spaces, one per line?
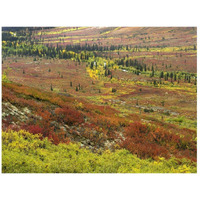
{"x":107,"y":91}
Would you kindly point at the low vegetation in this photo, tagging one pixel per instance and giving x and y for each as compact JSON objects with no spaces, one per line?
{"x":110,"y":100}
{"x":23,"y":152}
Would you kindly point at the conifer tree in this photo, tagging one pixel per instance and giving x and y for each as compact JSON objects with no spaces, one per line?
{"x":195,"y":81}
{"x":174,"y":77}
{"x":161,"y":74}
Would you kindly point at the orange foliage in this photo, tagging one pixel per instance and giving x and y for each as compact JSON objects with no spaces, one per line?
{"x":69,"y":116}
{"x":146,"y":141}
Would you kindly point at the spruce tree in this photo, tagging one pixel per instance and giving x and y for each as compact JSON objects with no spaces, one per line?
{"x":161,"y":74}
{"x":174,"y":77}
{"x":195,"y":81}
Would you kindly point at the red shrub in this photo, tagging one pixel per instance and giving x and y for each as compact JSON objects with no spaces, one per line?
{"x":54,"y":138}
{"x":137,"y":129}
{"x":146,"y":141}
{"x":69,"y":116}
{"x":144,"y":149}
{"x":162,"y":136}
{"x":35,"y":129}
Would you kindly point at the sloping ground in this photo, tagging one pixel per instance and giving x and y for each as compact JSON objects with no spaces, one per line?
{"x":23,"y":152}
{"x":58,"y":117}
{"x":147,"y":132}
{"x":143,"y":36}
{"x":63,"y":119}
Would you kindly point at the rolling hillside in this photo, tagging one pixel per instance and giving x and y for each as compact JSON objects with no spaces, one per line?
{"x":104,"y":92}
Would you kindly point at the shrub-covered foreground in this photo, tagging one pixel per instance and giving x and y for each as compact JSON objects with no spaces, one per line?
{"x":23,"y":152}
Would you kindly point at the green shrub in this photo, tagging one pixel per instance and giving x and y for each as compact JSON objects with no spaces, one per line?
{"x":23,"y":152}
